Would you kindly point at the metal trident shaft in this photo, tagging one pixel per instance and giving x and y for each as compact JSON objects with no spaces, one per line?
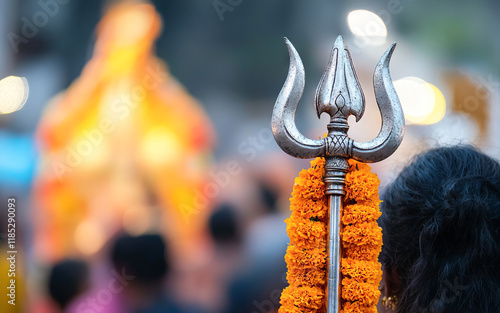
{"x":339,"y":94}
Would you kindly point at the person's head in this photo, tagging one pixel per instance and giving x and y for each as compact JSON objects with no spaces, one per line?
{"x":143,"y":257}
{"x":269,"y":197}
{"x":441,"y":227}
{"x":224,"y":226}
{"x":67,"y":280}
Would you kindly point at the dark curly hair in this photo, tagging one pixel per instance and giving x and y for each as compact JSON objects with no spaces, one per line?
{"x":441,"y":226}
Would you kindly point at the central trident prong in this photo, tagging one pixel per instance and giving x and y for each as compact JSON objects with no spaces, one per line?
{"x":339,"y":94}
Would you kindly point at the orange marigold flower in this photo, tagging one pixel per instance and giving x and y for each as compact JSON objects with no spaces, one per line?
{"x":318,"y":165}
{"x":298,"y":258}
{"x":290,"y":308}
{"x":306,"y":298}
{"x":305,"y":233}
{"x":357,"y":307}
{"x":362,"y":253}
{"x":362,"y":271}
{"x":305,"y":187}
{"x":358,"y":213}
{"x":309,"y":184}
{"x":361,"y":241}
{"x":309,"y":208}
{"x":306,"y":276}
{"x":366,"y":294}
{"x":367,"y":233}
{"x":358,"y":166}
{"x":361,"y":186}
{"x":373,"y":202}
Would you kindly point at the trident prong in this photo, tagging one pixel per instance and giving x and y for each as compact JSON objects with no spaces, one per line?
{"x":285,"y":132}
{"x":393,"y":120}
{"x":339,"y":94}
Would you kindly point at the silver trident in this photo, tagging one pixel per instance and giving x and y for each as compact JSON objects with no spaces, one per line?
{"x":339,"y":94}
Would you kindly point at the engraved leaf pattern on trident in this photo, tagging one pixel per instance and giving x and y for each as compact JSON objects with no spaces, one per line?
{"x":339,"y":94}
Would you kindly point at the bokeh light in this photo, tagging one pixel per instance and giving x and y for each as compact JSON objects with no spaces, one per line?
{"x":136,"y":221}
{"x":367,"y":26}
{"x":89,"y":237}
{"x":14,"y":93}
{"x":422,"y":102}
{"x":161,"y":146}
{"x":439,"y":110}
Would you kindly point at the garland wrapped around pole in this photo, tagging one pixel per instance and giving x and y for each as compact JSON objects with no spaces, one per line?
{"x":306,"y":255}
{"x":361,"y":242}
{"x":335,"y":240}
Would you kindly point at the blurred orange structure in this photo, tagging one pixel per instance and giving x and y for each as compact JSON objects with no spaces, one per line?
{"x":472,"y":99}
{"x":125,"y":147}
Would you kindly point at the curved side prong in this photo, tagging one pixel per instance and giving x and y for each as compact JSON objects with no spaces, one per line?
{"x":285,"y":131}
{"x":393,"y":121}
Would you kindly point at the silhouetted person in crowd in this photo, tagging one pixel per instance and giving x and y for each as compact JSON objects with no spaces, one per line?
{"x":145,"y":259}
{"x":224,"y":226}
{"x":67,"y":280}
{"x":258,"y":287}
{"x":136,"y":282}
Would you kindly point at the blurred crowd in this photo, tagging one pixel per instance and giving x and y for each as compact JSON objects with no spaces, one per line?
{"x":242,"y":271}
{"x":117,"y":248}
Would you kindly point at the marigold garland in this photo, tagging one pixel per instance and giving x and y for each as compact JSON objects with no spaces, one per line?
{"x":361,"y":242}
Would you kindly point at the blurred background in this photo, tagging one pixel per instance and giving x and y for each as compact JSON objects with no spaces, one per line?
{"x":143,"y":166}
